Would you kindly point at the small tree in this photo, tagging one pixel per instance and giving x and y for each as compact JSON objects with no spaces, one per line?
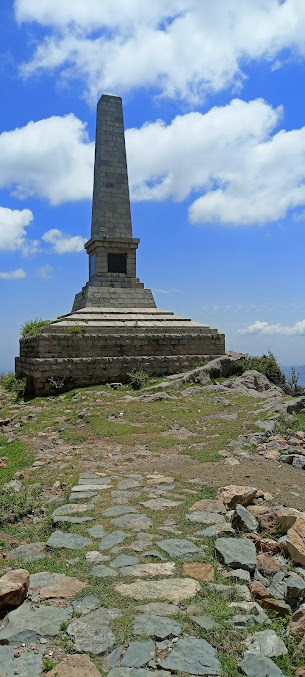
{"x":293,"y":383}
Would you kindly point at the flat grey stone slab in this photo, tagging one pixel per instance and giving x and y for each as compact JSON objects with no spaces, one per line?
{"x":92,"y":632}
{"x":194,"y":656}
{"x":125,"y":494}
{"x":155,"y":626}
{"x":134,"y":522}
{"x":216,"y":530}
{"x":178,"y":547}
{"x":173,"y":589}
{"x":136,"y":672}
{"x":97,"y":531}
{"x":60,"y":539}
{"x":62,"y":519}
{"x":82,"y":495}
{"x":90,"y":487}
{"x":149,"y":569}
{"x":266,"y":643}
{"x":159,"y":609}
{"x":258,"y":666}
{"x":160,"y":504}
{"x":205,"y":622}
{"x":119,"y":510}
{"x":98,"y":481}
{"x":86,"y":604}
{"x":124,"y":561}
{"x":30,"y":623}
{"x":28,"y":552}
{"x":153,"y":553}
{"x":70,"y":509}
{"x":238,"y":553}
{"x":110,"y":540}
{"x":142,"y":542}
{"x":129,"y":484}
{"x":204,"y":517}
{"x":95,"y":557}
{"x":27,"y":664}
{"x":101,"y":571}
{"x":138,"y":654}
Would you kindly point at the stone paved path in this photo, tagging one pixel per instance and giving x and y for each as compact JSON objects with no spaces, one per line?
{"x":129,"y":576}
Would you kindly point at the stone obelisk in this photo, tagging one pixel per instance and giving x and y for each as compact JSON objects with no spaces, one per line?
{"x":112,"y":248}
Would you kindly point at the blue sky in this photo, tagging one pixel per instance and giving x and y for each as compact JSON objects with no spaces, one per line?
{"x":214,"y":103}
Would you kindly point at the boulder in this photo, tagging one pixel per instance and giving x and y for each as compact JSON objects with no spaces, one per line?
{"x":13,"y":588}
{"x":286,"y":517}
{"x":267,"y":564}
{"x":296,"y":541}
{"x":242,"y":519}
{"x":296,"y":627}
{"x":266,"y":643}
{"x":236,"y":552}
{"x":234,"y":494}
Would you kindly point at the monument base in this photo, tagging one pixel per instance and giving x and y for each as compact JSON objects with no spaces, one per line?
{"x":100,"y":345}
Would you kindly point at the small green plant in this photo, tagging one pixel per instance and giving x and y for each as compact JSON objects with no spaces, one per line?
{"x":13,"y":506}
{"x":75,"y":330}
{"x":47,"y":665}
{"x":33,"y":327}
{"x":13,"y":384}
{"x":138,"y":379}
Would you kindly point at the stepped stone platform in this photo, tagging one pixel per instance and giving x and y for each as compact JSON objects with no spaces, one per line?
{"x":114,"y":327}
{"x":100,"y":345}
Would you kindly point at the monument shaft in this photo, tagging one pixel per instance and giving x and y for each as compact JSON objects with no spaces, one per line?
{"x":112,"y":249}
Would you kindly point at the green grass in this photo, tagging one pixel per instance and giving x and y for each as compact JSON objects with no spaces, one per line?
{"x":17,"y":457}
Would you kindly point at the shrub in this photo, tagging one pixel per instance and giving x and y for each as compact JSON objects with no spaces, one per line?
{"x":293,"y":383}
{"x":13,"y":384}
{"x":33,"y":327}
{"x":268,"y":365}
{"x":138,"y":379}
{"x":15,"y":506}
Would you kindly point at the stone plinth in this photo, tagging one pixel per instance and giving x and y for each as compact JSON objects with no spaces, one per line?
{"x":101,"y":345}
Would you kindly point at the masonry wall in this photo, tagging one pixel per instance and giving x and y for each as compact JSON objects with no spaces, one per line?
{"x":107,"y":358}
{"x":53,"y":376}
{"x":117,"y":345}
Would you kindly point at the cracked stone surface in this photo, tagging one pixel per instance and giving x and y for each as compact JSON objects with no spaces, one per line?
{"x":28,"y":623}
{"x":193,"y":656}
{"x":92,"y":632}
{"x":60,"y":539}
{"x":155,"y":626}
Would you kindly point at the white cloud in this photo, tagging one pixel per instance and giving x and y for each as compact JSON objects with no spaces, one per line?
{"x":182,"y":48}
{"x":13,"y":275}
{"x":63,"y":243}
{"x":297,"y":329}
{"x":45,"y":271}
{"x":12,"y":230}
{"x":51,"y":158}
{"x":241,"y":170}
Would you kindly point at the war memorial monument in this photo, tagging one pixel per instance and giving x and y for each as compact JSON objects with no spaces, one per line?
{"x":114,"y":327}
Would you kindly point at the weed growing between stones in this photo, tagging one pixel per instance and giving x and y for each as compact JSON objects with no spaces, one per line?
{"x":33,"y":327}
